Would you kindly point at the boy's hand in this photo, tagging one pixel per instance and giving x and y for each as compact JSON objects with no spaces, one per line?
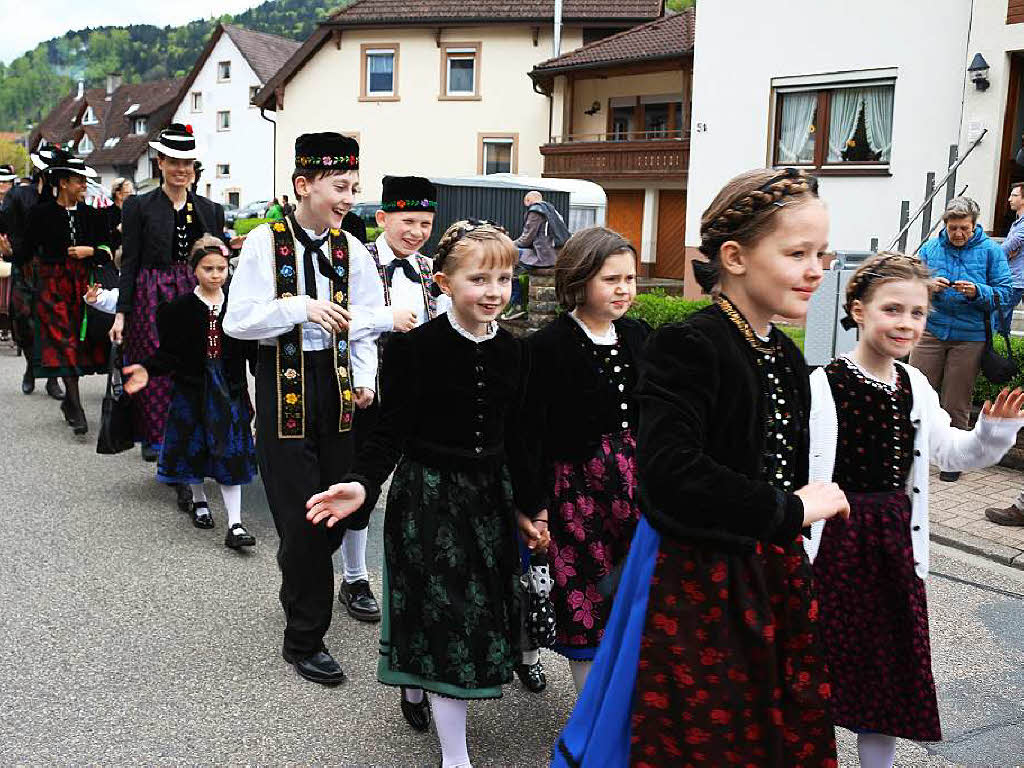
{"x":327,"y":315}
{"x":93,"y":294}
{"x":362,"y":397}
{"x":138,"y":378}
{"x":405,"y":319}
{"x":336,"y":503}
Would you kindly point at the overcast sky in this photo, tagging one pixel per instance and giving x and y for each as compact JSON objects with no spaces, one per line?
{"x":29,"y":22}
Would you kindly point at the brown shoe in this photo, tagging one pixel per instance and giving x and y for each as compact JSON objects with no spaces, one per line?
{"x":1009,"y":516}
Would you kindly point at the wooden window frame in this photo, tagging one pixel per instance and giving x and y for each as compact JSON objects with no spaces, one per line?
{"x":364,"y":78}
{"x":820,"y":166}
{"x":481,"y":139}
{"x":192,"y":102}
{"x":220,"y":128}
{"x":223,"y":79}
{"x":477,"y":48}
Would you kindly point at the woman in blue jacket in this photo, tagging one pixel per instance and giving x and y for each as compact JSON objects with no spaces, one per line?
{"x":971,"y":276}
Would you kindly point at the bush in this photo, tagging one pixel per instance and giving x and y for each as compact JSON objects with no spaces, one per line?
{"x":985,"y":389}
{"x":245,"y":226}
{"x":657,"y":308}
{"x":372,"y":233}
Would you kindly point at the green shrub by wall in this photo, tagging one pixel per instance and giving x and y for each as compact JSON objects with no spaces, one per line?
{"x":245,"y":226}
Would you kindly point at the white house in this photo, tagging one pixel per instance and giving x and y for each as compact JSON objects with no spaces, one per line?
{"x":235,"y":144}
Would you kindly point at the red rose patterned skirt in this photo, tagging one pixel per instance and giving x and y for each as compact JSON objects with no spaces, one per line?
{"x":62,"y":348}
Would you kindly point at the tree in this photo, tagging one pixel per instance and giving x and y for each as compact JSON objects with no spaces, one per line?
{"x":14,"y":155}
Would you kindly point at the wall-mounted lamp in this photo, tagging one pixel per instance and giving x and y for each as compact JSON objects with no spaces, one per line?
{"x":979,"y":72}
{"x":594,"y":108}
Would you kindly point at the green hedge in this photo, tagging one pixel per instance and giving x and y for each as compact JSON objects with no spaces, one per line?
{"x":372,"y":233}
{"x":985,"y":389}
{"x":245,"y":226}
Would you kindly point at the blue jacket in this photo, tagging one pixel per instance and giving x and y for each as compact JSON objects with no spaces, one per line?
{"x":954,"y":317}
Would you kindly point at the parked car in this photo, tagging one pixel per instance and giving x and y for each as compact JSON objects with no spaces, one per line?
{"x":256,"y":210}
{"x":367,"y":212}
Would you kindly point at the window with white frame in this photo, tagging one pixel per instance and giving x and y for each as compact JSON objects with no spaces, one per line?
{"x":89,"y":118}
{"x":253,"y":90}
{"x":836,"y":126}
{"x":223,"y":71}
{"x":85,"y":146}
{"x":380,"y":68}
{"x":460,"y":71}
{"x":223,"y":170}
{"x":224,"y":120}
{"x":498,"y":154}
{"x":141,"y":125}
{"x":197,"y":101}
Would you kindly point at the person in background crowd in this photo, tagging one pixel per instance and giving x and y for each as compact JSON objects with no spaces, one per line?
{"x":286,"y":207}
{"x":121,"y":189}
{"x":536,"y":248}
{"x":1013,"y":247}
{"x":971,"y":275}
{"x":275,"y":212}
{"x":7,"y":179}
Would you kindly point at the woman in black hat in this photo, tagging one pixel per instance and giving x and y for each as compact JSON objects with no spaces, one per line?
{"x":68,"y":240}
{"x":158,"y":230}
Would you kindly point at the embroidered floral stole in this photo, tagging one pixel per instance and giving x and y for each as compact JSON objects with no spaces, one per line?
{"x":291,"y":391}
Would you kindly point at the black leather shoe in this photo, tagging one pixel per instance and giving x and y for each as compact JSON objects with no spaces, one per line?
{"x":532,"y":677}
{"x":416,"y":715}
{"x":321,"y":668}
{"x":53,"y":389}
{"x":184,"y":496}
{"x":237,"y":537}
{"x":201,"y":517}
{"x":78,"y":423}
{"x":67,"y":409}
{"x":28,"y":383}
{"x":149,"y":453}
{"x":359,"y":600}
{"x":949,"y":477}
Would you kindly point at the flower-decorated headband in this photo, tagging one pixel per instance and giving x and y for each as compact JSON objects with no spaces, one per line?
{"x":426,"y":206}
{"x":456,"y":232}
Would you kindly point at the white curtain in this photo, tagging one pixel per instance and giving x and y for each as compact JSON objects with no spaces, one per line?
{"x":795,"y":145}
{"x":878,"y":118}
{"x":842,"y":124}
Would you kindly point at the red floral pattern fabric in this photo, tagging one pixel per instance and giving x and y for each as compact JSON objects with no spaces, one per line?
{"x":60,"y":308}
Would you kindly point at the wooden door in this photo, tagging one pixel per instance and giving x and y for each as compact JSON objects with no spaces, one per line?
{"x":626,"y":214}
{"x":670,"y":260}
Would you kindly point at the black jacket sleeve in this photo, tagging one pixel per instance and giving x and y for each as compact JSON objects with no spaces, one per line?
{"x":678,"y":408}
{"x":167,"y":357}
{"x":131,"y":243}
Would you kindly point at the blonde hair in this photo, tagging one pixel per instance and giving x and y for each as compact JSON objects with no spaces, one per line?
{"x":490,"y":241}
{"x":884,"y":267}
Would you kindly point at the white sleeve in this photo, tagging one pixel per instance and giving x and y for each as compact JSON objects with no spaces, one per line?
{"x":444,"y":303}
{"x":107,"y":300}
{"x":253,"y":311}
{"x":366,"y":297}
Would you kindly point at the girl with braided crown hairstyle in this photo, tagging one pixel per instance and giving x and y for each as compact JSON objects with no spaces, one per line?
{"x":875,"y":424}
{"x":711,"y":655}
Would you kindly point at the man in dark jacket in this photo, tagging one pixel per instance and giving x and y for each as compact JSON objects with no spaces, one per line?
{"x":536,"y":249}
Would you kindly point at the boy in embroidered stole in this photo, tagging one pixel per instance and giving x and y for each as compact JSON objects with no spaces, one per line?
{"x":299,"y":282}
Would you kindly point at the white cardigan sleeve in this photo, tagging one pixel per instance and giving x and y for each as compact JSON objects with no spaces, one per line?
{"x":824,"y":425}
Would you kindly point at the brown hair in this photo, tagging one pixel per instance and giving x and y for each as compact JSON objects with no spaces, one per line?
{"x":581,"y":258}
{"x":494,"y":243}
{"x":744,"y":210}
{"x":1018,"y":185}
{"x":204,"y":246}
{"x":884,"y":267}
{"x":315,"y":175}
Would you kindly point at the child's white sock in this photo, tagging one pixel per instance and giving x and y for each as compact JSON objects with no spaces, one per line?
{"x":450,"y":721}
{"x":531,"y":657}
{"x":353,"y":550}
{"x":232,"y":502}
{"x":580,"y":670}
{"x":413,"y":695}
{"x":876,"y":750}
{"x":198,"y":492}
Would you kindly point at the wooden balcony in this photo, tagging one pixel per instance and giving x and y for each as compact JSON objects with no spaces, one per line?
{"x":606,"y":157}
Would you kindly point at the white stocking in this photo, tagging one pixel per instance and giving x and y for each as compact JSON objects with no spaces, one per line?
{"x":198,"y":492}
{"x":580,"y":670}
{"x":876,"y":750}
{"x":353,"y":550}
{"x":232,"y":502}
{"x":531,"y":657}
{"x":450,"y":721}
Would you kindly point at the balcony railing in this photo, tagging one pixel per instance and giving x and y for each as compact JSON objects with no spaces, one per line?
{"x":620,"y":136}
{"x":612,"y":156}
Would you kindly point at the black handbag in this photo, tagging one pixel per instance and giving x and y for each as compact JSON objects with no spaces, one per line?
{"x":997,"y":369}
{"x":117,"y":433}
{"x":540,"y":613}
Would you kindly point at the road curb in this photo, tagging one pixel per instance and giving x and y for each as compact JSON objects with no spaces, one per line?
{"x":976,"y":545}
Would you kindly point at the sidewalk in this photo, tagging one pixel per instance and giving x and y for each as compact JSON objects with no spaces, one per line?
{"x":958,"y":519}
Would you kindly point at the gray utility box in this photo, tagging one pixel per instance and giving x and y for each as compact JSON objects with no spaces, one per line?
{"x":825,"y":338}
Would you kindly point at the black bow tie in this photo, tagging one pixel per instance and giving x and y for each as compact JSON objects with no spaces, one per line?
{"x":314,"y":254}
{"x":406,"y":267}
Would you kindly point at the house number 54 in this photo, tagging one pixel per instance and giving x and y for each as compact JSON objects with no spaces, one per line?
{"x":702,"y":127}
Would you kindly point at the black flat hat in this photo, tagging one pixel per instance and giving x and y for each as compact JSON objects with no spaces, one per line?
{"x":326,"y":152}
{"x":7,"y":173}
{"x":176,"y":140}
{"x":60,"y":160}
{"x":408,"y":193}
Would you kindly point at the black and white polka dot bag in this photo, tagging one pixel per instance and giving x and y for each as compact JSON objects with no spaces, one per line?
{"x":540,"y":613}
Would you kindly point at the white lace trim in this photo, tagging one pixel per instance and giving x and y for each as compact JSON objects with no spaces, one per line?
{"x":870,"y":376}
{"x":492,"y":329}
{"x":606,"y":340}
{"x":207,"y":302}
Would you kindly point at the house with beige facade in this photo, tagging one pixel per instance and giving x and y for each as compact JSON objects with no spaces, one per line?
{"x":620,"y":117}
{"x":437,"y":88}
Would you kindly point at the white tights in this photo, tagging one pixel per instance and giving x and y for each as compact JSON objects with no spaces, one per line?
{"x":232,"y":500}
{"x":876,"y":750}
{"x":580,"y":670}
{"x":450,"y":720}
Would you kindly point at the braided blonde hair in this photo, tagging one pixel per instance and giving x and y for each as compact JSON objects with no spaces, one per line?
{"x":498,"y":248}
{"x":884,"y":267}
{"x":744,"y":211}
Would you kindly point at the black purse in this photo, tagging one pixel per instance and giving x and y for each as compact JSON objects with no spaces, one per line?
{"x":117,"y":433}
{"x":540,"y":613}
{"x":997,"y":369}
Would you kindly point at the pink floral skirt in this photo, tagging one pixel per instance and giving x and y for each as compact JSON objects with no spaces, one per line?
{"x":593,"y":516}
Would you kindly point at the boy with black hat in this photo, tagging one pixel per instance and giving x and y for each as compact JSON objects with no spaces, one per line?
{"x":299,"y":282}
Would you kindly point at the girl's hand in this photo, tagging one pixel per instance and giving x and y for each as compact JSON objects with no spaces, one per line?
{"x":117,"y":329}
{"x":535,"y":533}
{"x":93,"y":294}
{"x":1008,"y":405}
{"x":362,"y":397}
{"x":138,"y":378}
{"x":80,"y":251}
{"x":822,"y":501}
{"x":336,"y":503}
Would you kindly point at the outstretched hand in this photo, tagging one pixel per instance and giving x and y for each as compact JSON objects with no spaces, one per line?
{"x":1008,"y":405}
{"x":138,"y":378}
{"x":93,"y":294}
{"x":336,"y":503}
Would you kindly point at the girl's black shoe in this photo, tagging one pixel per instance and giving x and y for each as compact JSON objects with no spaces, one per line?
{"x":237,"y":537}
{"x":532,"y":677}
{"x":201,"y":517}
{"x":416,"y":715}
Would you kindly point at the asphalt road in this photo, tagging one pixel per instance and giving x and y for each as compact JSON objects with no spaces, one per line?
{"x":130,"y":637}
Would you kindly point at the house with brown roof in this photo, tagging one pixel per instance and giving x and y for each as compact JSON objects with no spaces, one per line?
{"x":620,"y":117}
{"x":110,"y":127}
{"x":435,"y":87}
{"x":235,"y":143}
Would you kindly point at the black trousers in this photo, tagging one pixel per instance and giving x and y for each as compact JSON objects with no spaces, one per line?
{"x":293,"y":470}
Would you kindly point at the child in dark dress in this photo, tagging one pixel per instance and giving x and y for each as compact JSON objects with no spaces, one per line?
{"x":208,"y":432}
{"x":875,"y":426}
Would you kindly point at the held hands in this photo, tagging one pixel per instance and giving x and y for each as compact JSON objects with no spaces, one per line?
{"x":336,"y":503}
{"x":1008,"y":405}
{"x":5,"y":246}
{"x":405,"y":319}
{"x":117,"y":329}
{"x":362,"y":397}
{"x":535,"y":533}
{"x":80,"y":251}
{"x":138,"y":378}
{"x":822,"y":501}
{"x":327,"y":315}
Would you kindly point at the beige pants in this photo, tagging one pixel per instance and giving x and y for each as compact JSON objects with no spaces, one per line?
{"x":951,"y":368}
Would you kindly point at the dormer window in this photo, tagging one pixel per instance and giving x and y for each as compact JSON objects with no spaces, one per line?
{"x":132,"y":109}
{"x":141,"y":125}
{"x":85,"y":146}
{"x":89,"y":118}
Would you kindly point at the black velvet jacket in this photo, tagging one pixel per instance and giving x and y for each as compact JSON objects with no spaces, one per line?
{"x":569,"y":406}
{"x":701,"y":437}
{"x":16,"y":206}
{"x":147,"y":235}
{"x":181,"y":326}
{"x":447,"y":402}
{"x":48,"y":236}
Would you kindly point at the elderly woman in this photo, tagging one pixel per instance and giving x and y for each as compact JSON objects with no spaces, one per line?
{"x":971,"y":274}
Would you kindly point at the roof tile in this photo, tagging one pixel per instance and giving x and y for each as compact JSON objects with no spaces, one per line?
{"x":385,"y":12}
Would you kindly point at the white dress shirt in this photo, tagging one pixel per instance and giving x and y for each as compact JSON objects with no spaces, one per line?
{"x":255,"y":313}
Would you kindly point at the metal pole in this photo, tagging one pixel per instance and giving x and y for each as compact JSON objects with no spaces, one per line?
{"x":874,"y":245}
{"x":926,"y":218}
{"x":954,"y":153}
{"x":558,"y":28}
{"x":904,"y":225}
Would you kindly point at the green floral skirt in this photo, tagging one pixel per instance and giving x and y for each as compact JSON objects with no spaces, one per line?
{"x":451,"y":613}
